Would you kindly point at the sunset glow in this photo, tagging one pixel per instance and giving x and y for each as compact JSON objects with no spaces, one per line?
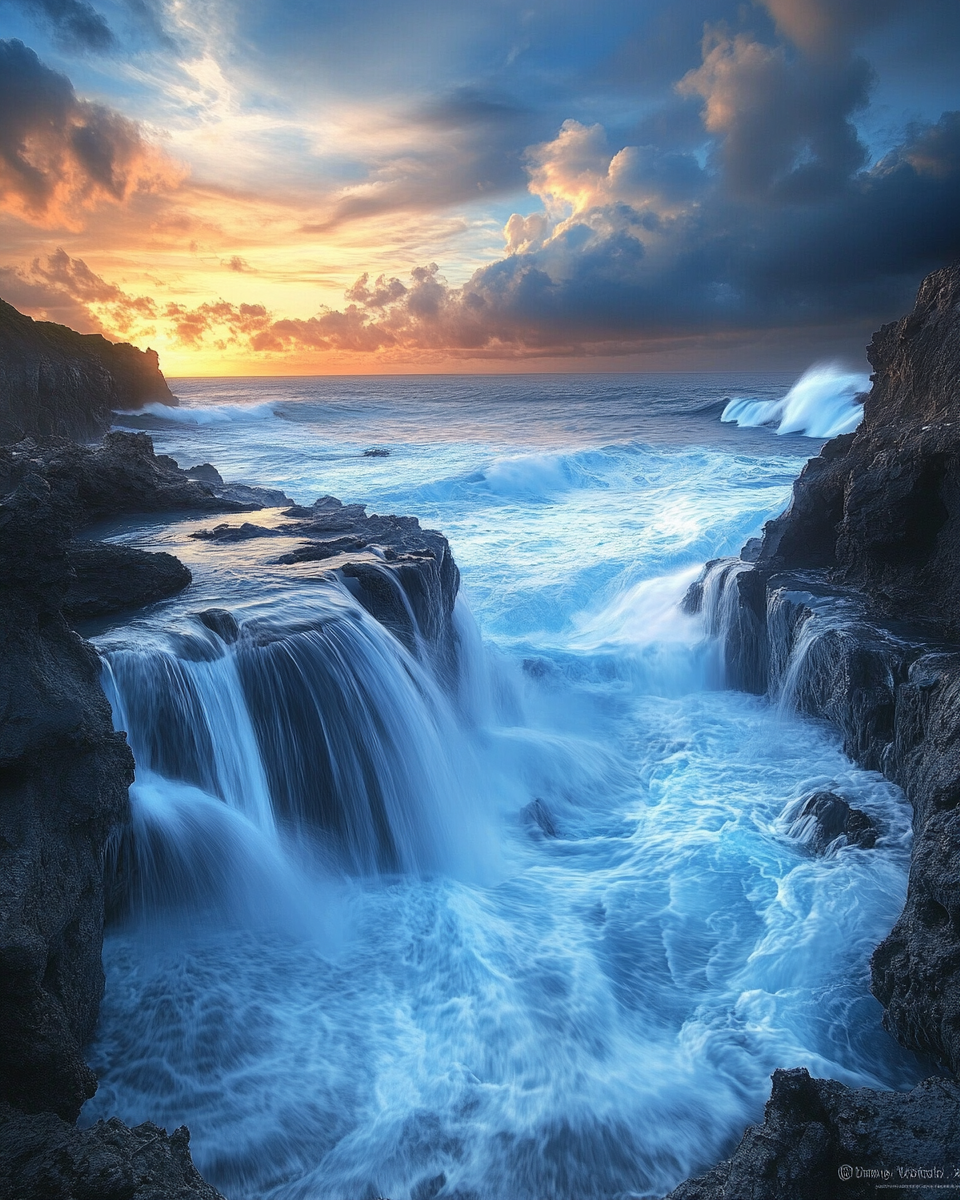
{"x":403,"y":187}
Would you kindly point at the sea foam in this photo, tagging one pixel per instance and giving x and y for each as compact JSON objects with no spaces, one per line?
{"x":826,"y":400}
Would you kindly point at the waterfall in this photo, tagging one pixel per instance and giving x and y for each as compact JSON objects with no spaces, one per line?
{"x":316,"y":728}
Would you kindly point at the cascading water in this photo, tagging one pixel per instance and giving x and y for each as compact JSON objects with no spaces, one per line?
{"x":547,"y":936}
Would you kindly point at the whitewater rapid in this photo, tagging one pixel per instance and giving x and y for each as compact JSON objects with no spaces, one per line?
{"x":544,"y":935}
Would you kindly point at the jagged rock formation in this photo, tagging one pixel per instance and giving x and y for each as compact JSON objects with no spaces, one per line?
{"x":122,"y":475}
{"x":56,"y":381}
{"x":880,"y":508}
{"x":44,"y":1158}
{"x":64,"y":775}
{"x":822,"y":1141}
{"x":849,"y":609}
{"x":404,"y":576}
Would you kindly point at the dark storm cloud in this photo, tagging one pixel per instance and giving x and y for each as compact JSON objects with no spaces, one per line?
{"x":782,"y":123}
{"x":75,"y":24}
{"x":831,"y":26}
{"x":59,"y":154}
{"x":612,"y":276}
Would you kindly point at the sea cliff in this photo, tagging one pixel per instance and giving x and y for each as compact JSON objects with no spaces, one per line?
{"x":54,"y":381}
{"x":847,"y":609}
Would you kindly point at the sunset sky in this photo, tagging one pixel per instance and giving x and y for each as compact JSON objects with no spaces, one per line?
{"x":415,"y":185}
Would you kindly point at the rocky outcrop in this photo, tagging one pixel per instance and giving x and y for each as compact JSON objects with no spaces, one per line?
{"x":108,"y":579}
{"x":848,"y":610}
{"x":122,"y":475}
{"x":821,"y":1140}
{"x":825,"y":819}
{"x":56,"y":381}
{"x":44,"y":1158}
{"x":64,"y":775}
{"x":880,"y":508}
{"x":404,"y":576}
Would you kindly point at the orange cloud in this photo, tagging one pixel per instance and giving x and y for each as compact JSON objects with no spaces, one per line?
{"x":61,"y":156}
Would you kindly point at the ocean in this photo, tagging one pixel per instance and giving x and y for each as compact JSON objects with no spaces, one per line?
{"x":600,"y":934}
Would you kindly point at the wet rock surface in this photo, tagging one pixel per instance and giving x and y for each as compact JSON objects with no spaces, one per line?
{"x":44,"y":1158}
{"x":64,"y":775}
{"x":881,"y":507}
{"x":108,"y":579}
{"x":824,"y":817}
{"x":121,"y":475}
{"x":820,"y":1140}
{"x":56,"y":381}
{"x":403,"y":575}
{"x":848,"y":610}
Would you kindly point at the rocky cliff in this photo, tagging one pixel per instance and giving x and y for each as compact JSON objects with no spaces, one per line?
{"x":848,"y":610}
{"x":64,"y":772}
{"x":56,"y":381}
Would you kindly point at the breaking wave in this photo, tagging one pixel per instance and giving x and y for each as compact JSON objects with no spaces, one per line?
{"x":825,"y":401}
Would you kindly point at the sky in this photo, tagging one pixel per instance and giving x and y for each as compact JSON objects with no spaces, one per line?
{"x":266,"y":187}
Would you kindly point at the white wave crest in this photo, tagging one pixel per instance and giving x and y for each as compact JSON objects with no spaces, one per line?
{"x":219,"y":414}
{"x":825,"y":401}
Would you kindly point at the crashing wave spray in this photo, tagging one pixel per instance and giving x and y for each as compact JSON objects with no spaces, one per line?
{"x":825,"y":401}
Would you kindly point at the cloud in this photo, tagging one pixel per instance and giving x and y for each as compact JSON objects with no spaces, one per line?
{"x":76,"y":25}
{"x":60,"y":155}
{"x":829,"y":26}
{"x":783,"y":124}
{"x":66,"y":290}
{"x":618,"y":260}
{"x":459,"y":147}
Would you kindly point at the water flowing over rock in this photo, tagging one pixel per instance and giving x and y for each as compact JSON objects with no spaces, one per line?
{"x":54,"y":381}
{"x":849,"y":611}
{"x":64,"y":772}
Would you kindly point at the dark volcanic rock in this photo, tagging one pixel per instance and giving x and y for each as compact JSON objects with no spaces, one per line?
{"x":221,"y":622}
{"x":853,"y":596}
{"x":821,"y":1140}
{"x":121,"y":475}
{"x":404,"y":576}
{"x":64,"y":775}
{"x":44,"y":1158}
{"x":56,"y":381}
{"x":881,"y":507}
{"x":825,"y":816}
{"x":109,"y":579}
{"x":233,"y":533}
{"x":317,"y":551}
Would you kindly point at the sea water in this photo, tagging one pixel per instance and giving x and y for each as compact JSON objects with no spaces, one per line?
{"x":541,"y":934}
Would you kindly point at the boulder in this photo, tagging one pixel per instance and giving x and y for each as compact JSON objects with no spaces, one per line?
{"x":108,"y":579}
